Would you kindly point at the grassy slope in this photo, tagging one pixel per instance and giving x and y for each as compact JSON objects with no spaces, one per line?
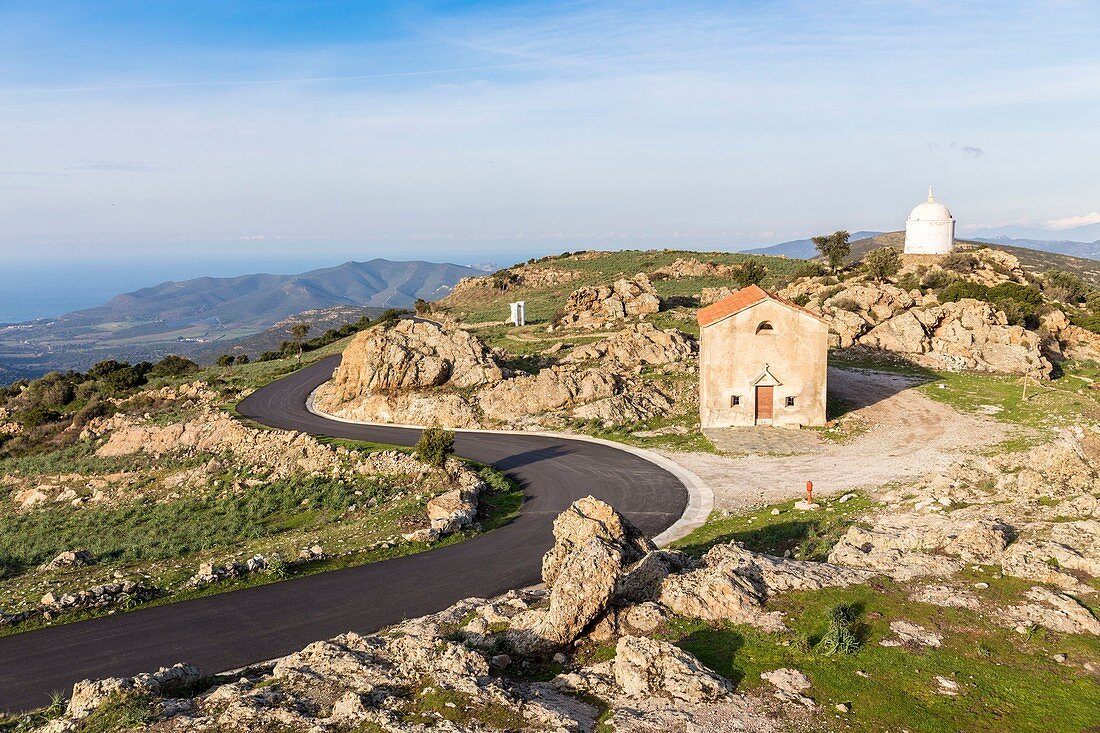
{"x":160,"y":544}
{"x":485,"y":305}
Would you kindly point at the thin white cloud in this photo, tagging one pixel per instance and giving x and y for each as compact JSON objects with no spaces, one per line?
{"x":1071,"y":222}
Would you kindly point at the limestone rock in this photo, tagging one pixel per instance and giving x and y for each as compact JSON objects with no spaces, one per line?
{"x":789,"y":684}
{"x":453,"y":510}
{"x":731,"y":584}
{"x":412,"y":355}
{"x":584,"y":520}
{"x":579,"y":594}
{"x":910,"y":634}
{"x":69,"y":559}
{"x":1056,"y":611}
{"x":591,"y":307}
{"x":968,"y":334}
{"x":638,"y":344}
{"x":650,"y":668}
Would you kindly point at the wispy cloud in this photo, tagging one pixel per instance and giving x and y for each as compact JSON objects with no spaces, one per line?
{"x":120,"y":167}
{"x":1071,"y":222}
{"x":972,"y":152}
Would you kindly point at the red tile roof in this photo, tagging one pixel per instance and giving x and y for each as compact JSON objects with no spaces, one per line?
{"x":739,"y":301}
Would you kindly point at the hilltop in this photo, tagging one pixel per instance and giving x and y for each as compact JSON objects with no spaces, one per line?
{"x":1033,"y":260}
{"x":186,"y":317}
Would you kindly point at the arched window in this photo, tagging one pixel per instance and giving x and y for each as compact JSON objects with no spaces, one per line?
{"x":765,"y":328}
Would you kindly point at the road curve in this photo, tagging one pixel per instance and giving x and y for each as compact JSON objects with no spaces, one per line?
{"x":234,"y":629}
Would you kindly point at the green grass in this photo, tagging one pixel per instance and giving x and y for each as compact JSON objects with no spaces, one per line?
{"x":486,"y":305}
{"x":431,"y":703}
{"x":166,"y":541}
{"x":808,"y":535}
{"x":1008,"y":681}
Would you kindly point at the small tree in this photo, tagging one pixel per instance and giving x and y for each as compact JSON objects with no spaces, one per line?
{"x":422,"y":306}
{"x":503,"y":279}
{"x":749,"y":272}
{"x":435,"y":445}
{"x":882,"y":263}
{"x":226,"y":361}
{"x":834,"y":247}
{"x":299,"y":331}
{"x":242,"y":359}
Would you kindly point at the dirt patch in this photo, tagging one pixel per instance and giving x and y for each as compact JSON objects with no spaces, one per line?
{"x":908,"y":436}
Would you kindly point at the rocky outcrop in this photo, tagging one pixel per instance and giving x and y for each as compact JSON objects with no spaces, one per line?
{"x":462,"y":388}
{"x":410,"y":355}
{"x":595,"y":549}
{"x":911,"y":545}
{"x":638,"y":344}
{"x":968,"y":334}
{"x":732,"y":584}
{"x":587,"y":519}
{"x":1068,"y":341}
{"x":692,"y":267}
{"x":594,"y":307}
{"x":1053,"y":610}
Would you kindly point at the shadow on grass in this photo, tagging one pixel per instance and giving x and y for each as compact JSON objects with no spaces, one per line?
{"x":772,"y":539}
{"x":716,"y":649}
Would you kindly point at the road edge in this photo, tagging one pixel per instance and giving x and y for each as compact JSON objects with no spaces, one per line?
{"x":700,"y":495}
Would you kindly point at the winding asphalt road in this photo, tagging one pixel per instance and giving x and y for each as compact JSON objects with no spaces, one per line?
{"x":234,"y":629}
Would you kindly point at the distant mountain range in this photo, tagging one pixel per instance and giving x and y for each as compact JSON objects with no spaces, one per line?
{"x":1083,"y":233}
{"x":1089,"y":250}
{"x":194,"y":317}
{"x":802,"y":249}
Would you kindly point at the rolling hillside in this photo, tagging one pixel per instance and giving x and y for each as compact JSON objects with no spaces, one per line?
{"x":1032,"y":259}
{"x":206,"y":315}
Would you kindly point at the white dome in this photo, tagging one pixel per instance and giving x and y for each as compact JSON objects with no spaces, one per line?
{"x":930,"y":210}
{"x":930,"y":229}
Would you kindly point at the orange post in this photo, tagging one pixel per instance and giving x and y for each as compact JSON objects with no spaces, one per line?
{"x":809,"y":492}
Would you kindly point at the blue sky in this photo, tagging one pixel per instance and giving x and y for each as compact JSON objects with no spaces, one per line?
{"x":493,"y":130}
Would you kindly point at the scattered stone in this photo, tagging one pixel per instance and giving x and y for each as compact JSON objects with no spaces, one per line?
{"x":945,"y":686}
{"x":789,"y":684}
{"x":68,"y":559}
{"x":910,"y":634}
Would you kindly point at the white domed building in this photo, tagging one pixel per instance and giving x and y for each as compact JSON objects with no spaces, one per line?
{"x":930,"y":229}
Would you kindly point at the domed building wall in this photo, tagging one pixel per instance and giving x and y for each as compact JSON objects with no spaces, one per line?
{"x":930,"y":229}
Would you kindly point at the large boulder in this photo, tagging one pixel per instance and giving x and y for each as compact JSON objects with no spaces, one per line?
{"x":650,"y":668}
{"x":411,"y":355}
{"x":591,"y":307}
{"x":584,"y":520}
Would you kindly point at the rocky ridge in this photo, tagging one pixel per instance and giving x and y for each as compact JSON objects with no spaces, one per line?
{"x":493,"y":396}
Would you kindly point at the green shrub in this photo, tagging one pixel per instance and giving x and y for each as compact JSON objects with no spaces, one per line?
{"x":937,"y":279}
{"x":811,"y":269}
{"x":749,"y":272}
{"x":801,"y":299}
{"x":960,"y":289}
{"x":847,"y":304}
{"x":882,"y":263}
{"x":839,"y":636}
{"x":959,"y":262}
{"x":435,"y":445}
{"x":1065,"y":287}
{"x":909,"y":281}
{"x":173,"y":366}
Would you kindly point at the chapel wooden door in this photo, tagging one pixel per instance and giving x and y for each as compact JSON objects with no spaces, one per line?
{"x":764,"y":398}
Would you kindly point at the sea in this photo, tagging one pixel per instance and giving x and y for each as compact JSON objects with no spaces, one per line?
{"x":30,"y":290}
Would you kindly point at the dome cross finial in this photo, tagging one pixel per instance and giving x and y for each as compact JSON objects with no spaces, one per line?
{"x":930,"y":199}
